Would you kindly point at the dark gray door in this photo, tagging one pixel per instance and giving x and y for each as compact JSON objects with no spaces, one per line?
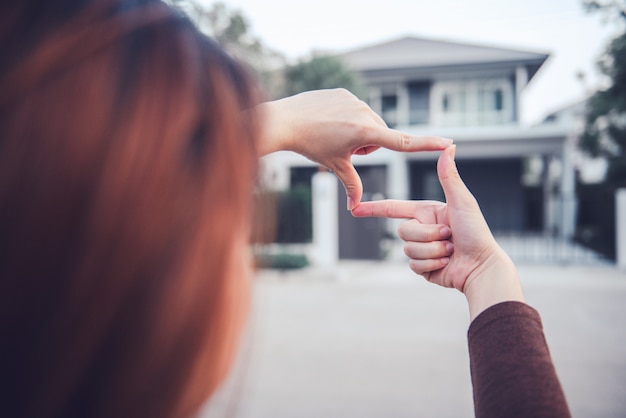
{"x":496,"y":184}
{"x":359,"y":238}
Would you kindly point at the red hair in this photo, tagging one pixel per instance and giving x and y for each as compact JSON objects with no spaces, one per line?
{"x":126,"y":168}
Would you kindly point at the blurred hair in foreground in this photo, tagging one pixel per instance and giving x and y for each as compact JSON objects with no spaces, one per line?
{"x":126,"y":171}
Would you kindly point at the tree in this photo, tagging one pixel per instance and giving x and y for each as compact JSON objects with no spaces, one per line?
{"x":232,"y":31}
{"x":321,"y":72}
{"x":605,"y":129}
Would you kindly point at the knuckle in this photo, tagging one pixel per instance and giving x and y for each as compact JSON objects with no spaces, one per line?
{"x":404,"y":141}
{"x":418,"y":269}
{"x":407,"y":250}
{"x":455,"y":174}
{"x":350,"y":187}
{"x":443,"y":249}
{"x":390,"y":209}
{"x":402,"y":231}
{"x":364,"y":132}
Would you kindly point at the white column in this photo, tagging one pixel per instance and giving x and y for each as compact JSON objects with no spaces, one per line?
{"x":397,"y":176}
{"x":620,"y":228}
{"x":521,"y":80}
{"x":325,"y":223}
{"x":397,"y":188}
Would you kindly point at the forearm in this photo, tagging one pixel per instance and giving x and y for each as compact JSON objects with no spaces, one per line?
{"x":512,"y":371}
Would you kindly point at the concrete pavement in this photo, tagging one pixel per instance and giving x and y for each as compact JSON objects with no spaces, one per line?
{"x":371,"y":339}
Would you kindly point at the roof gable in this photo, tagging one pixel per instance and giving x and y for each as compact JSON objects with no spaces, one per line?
{"x":413,"y":52}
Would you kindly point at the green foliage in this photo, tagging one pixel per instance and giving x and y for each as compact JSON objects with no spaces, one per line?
{"x":283,"y":217}
{"x":282,"y":261}
{"x":596,"y":218}
{"x":232,"y":30}
{"x":605,"y":129}
{"x":613,"y":7}
{"x":228,"y":27}
{"x":321,"y":72}
{"x":294,"y":216}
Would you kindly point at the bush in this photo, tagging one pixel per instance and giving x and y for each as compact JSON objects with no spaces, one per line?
{"x":282,"y":261}
{"x":595,"y":227}
{"x":293,"y":216}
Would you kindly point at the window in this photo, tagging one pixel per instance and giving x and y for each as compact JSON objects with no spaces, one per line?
{"x":473,"y":102}
{"x":491,"y":99}
{"x":419,"y":102}
{"x":389,"y":104}
{"x":498,"y":99}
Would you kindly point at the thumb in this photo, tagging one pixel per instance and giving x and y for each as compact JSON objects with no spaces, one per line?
{"x":351,"y":182}
{"x":457,"y":194}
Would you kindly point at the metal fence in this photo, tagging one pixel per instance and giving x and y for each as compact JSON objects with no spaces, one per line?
{"x":541,"y":248}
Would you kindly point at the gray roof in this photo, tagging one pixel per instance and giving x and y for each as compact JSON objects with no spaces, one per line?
{"x":413,"y":52}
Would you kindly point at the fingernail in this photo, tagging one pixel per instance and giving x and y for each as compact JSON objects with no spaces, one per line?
{"x":445,"y":232}
{"x":350,"y":203}
{"x":449,"y":247}
{"x":453,"y":152}
{"x":446,"y":142}
{"x":445,"y":260}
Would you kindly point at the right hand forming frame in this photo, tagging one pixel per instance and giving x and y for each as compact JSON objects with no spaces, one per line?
{"x":450,"y":244}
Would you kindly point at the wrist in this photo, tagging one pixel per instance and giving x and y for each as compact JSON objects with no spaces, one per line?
{"x":274,"y":128}
{"x":496,"y":280}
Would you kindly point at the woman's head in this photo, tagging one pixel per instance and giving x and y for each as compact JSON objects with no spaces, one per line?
{"x":126,"y":164}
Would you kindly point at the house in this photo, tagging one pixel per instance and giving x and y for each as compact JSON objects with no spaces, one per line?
{"x":523,"y":177}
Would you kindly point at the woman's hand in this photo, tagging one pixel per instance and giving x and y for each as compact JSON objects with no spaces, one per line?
{"x":328,"y":127}
{"x":450,"y":244}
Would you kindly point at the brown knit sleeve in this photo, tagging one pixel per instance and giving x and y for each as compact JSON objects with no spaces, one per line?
{"x":512,"y":372}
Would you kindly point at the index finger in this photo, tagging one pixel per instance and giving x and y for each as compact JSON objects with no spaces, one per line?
{"x":400,"y":141}
{"x":398,"y":209}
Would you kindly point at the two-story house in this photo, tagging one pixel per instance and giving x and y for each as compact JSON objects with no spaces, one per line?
{"x":523,"y":177}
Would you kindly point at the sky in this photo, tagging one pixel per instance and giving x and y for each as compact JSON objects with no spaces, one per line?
{"x":573,"y":38}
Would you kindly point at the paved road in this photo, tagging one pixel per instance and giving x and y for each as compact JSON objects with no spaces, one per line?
{"x":373,"y":340}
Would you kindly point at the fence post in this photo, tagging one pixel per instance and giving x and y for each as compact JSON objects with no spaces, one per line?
{"x":620,"y":228}
{"x":568,"y":190}
{"x":325,"y":224}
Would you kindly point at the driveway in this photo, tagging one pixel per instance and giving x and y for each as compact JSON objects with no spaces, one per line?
{"x":371,"y":339}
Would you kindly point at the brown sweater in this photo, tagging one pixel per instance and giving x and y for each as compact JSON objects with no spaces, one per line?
{"x":512,"y":372}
